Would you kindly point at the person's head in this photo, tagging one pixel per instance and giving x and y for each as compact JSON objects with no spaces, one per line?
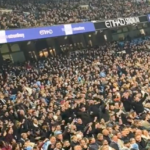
{"x":66,"y":144}
{"x":92,"y":140}
{"x":73,"y":127}
{"x":100,"y":137}
{"x":58,"y":112}
{"x":79,"y":121}
{"x":35,"y":121}
{"x":22,"y":112}
{"x":6,"y":114}
{"x":83,"y":109}
{"x":58,"y":128}
{"x":4,"y":107}
{"x":50,"y":115}
{"x":127,"y":130}
{"x":119,"y":135}
{"x":60,"y":137}
{"x":2,"y":144}
{"x":136,"y":98}
{"x":123,"y":133}
{"x":126,"y":94}
{"x":105,"y":132}
{"x":74,"y":139}
{"x":35,"y":148}
{"x":127,"y":144}
{"x":53,"y":140}
{"x":79,"y":135}
{"x":138,"y":138}
{"x":102,"y":121}
{"x":110,"y":129}
{"x":117,"y":105}
{"x":24,"y":135}
{"x":138,"y":132}
{"x":116,"y":127}
{"x":78,"y":147}
{"x":145,"y":132}
{"x":10,"y":131}
{"x":112,"y":117}
{"x":82,"y":142}
{"x":58,"y":145}
{"x":105,"y":142}
{"x":15,"y":146}
{"x":105,"y":147}
{"x":115,"y":138}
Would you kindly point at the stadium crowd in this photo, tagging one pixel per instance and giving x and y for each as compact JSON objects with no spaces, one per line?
{"x":35,"y":13}
{"x":94,"y":99}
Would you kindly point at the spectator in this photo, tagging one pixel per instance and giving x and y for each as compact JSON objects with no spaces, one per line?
{"x":114,"y":143}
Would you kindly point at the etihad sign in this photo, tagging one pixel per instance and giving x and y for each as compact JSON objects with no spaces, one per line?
{"x":121,"y":22}
{"x":46,"y":32}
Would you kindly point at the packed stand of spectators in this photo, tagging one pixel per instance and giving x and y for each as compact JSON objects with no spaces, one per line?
{"x":94,"y":99}
{"x":35,"y":13}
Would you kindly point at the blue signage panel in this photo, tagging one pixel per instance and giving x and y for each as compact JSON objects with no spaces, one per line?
{"x":8,"y":36}
{"x":148,"y":17}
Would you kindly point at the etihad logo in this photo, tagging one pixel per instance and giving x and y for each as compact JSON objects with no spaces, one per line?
{"x":75,"y":29}
{"x":46,"y":32}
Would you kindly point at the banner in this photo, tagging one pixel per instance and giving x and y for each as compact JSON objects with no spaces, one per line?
{"x":104,"y":24}
{"x":121,"y":22}
{"x":8,"y":36}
